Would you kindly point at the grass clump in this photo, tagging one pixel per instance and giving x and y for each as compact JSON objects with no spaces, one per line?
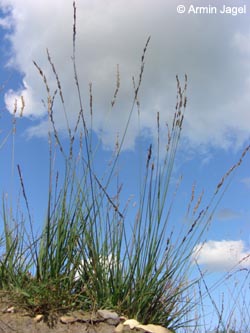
{"x":91,"y":253}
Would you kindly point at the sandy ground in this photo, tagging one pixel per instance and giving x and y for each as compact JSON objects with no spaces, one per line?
{"x":20,"y":322}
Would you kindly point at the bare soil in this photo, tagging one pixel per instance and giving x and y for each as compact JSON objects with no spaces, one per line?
{"x":20,"y":322}
{"x":16,"y":322}
{"x":10,"y":323}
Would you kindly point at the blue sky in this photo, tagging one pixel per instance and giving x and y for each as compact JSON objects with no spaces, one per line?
{"x":214,"y":51}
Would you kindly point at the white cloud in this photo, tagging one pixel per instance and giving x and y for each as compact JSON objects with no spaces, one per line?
{"x":107,"y":263}
{"x":13,"y":98}
{"x":209,"y":48}
{"x":5,"y":23}
{"x":222,"y":255}
{"x":242,"y":41}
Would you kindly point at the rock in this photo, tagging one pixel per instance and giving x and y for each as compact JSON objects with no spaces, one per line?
{"x":106,"y":314}
{"x":113,"y":322}
{"x":150,"y":328}
{"x":119,"y":328}
{"x":38,"y":318}
{"x":84,"y":316}
{"x":10,"y":309}
{"x":68,"y":319}
{"x":132,"y":323}
{"x":110,"y":317}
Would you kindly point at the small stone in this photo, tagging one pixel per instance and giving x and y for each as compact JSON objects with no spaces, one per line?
{"x":68,"y":319}
{"x":84,"y":316}
{"x":38,"y":318}
{"x":113,"y":322}
{"x":11,"y":309}
{"x":132,"y":323}
{"x":119,"y":328}
{"x":150,"y":328}
{"x":106,"y":314}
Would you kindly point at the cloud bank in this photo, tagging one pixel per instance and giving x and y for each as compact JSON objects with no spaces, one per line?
{"x":213,"y":50}
{"x":222,"y":255}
